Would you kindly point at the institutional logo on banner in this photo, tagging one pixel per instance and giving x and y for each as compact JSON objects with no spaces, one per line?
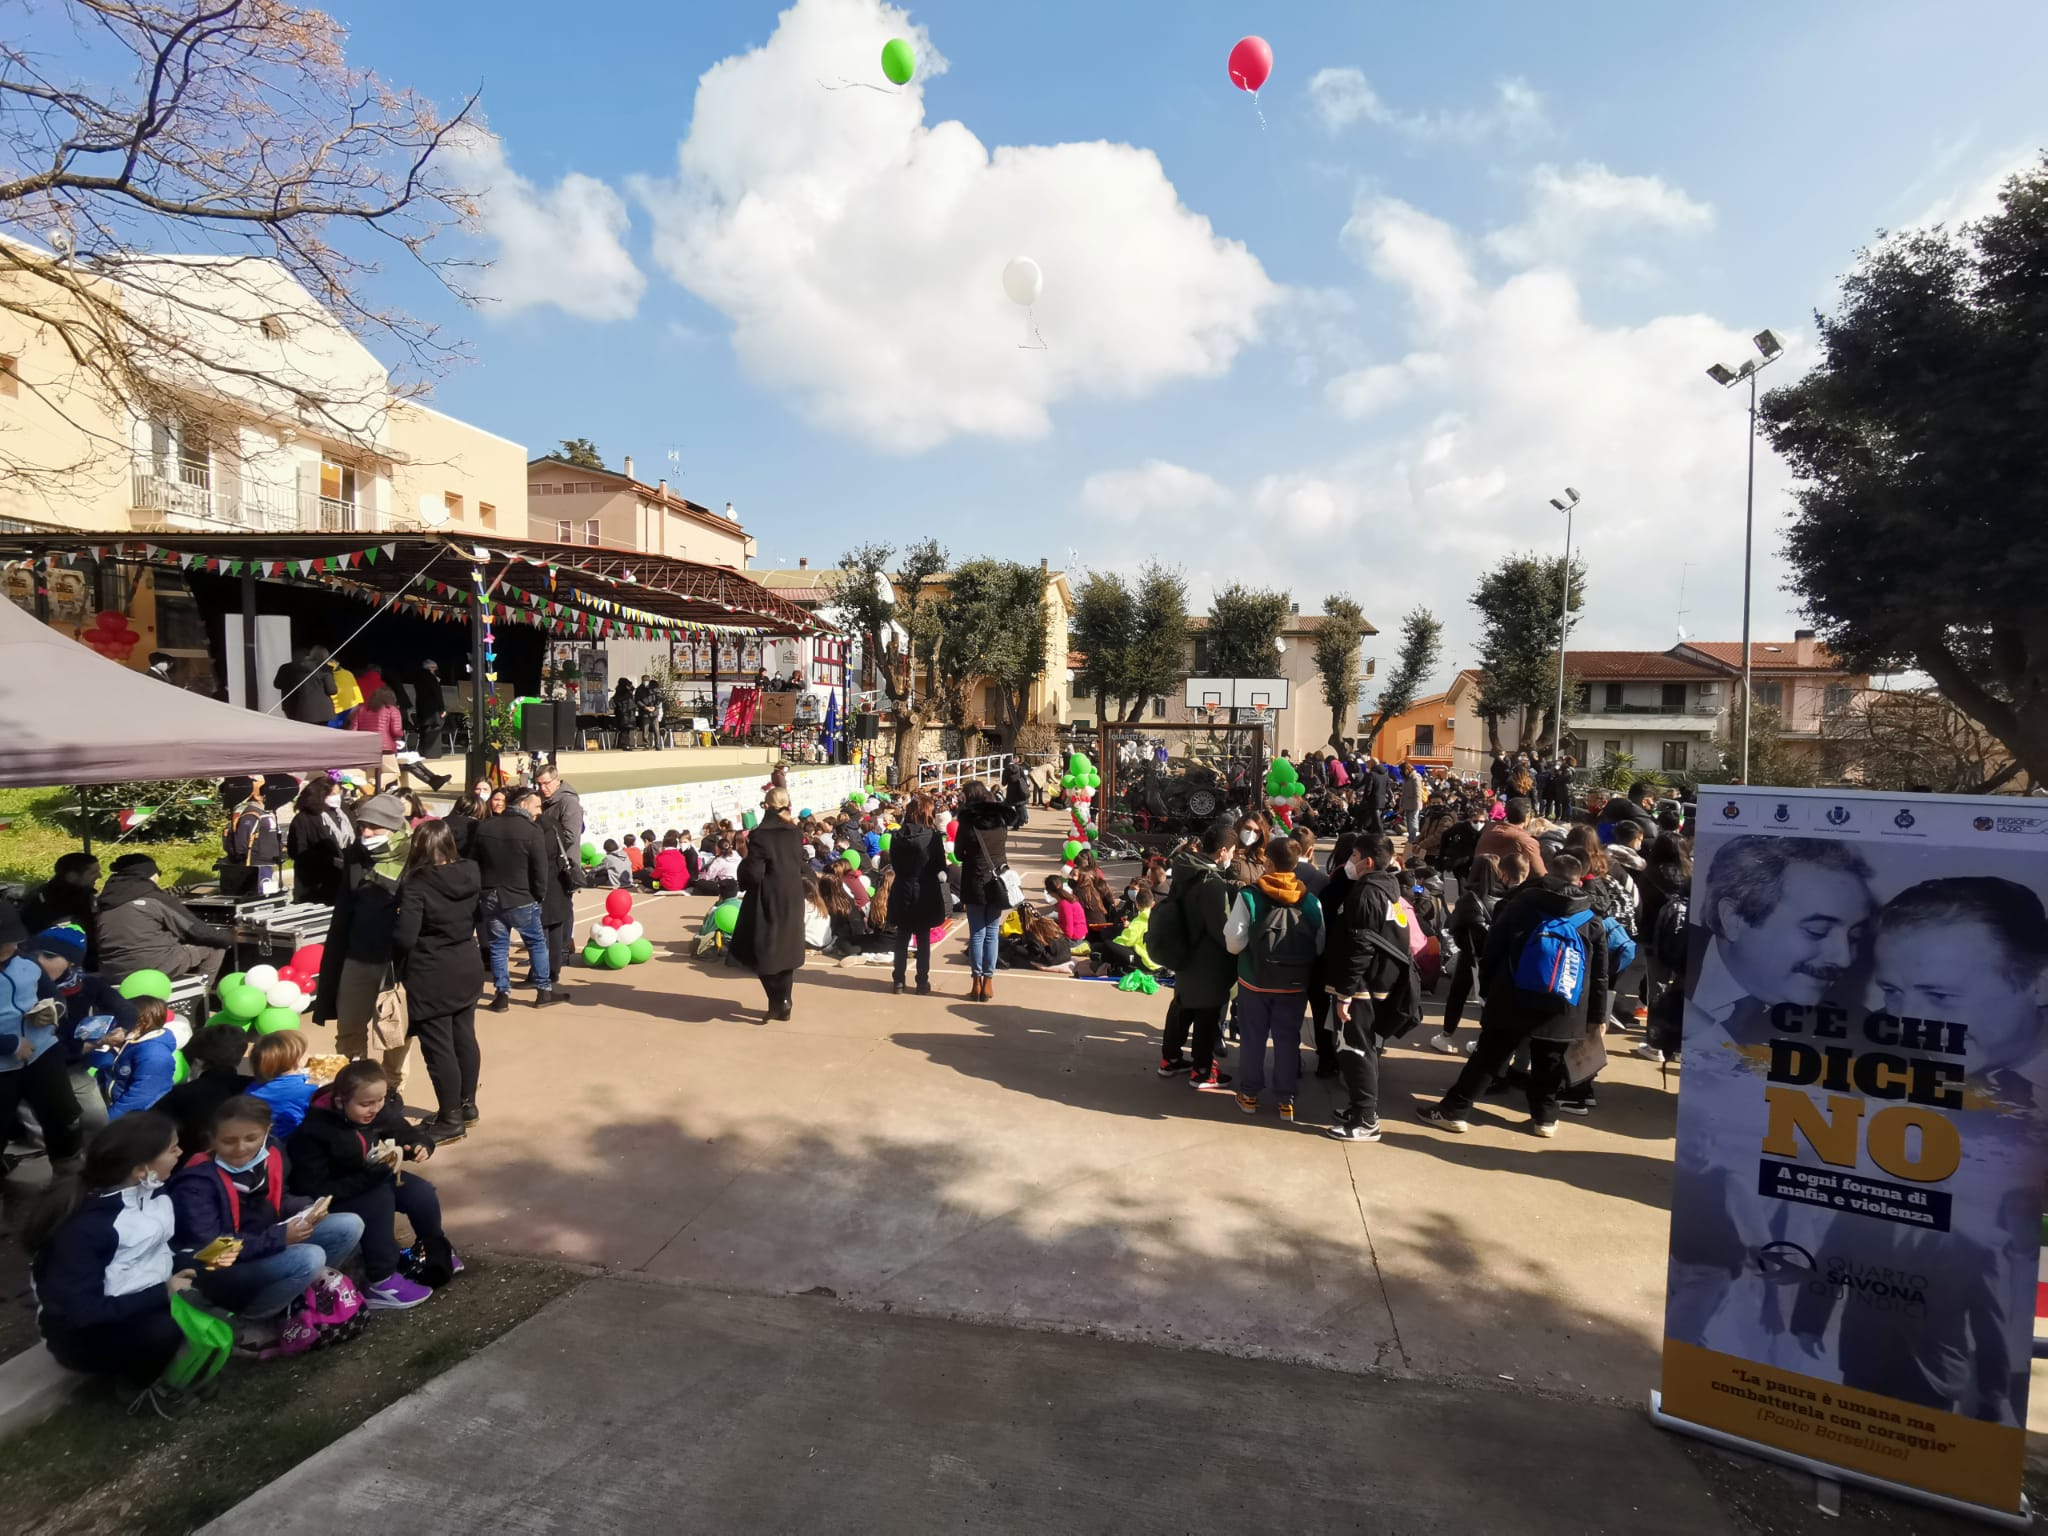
{"x":1856,"y":1214}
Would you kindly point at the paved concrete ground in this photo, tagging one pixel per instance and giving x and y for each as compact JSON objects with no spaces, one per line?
{"x":1021,"y":1161}
{"x":634,"y":1408}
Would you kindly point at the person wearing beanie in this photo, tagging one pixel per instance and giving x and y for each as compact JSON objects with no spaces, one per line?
{"x":358,"y":987}
{"x":144,"y":927}
{"x":93,"y":1010}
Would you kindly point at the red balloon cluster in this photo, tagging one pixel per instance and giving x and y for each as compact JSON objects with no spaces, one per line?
{"x":112,"y":636}
{"x":304,"y":968}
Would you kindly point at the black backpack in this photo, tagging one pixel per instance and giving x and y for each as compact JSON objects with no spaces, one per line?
{"x":1167,"y":939}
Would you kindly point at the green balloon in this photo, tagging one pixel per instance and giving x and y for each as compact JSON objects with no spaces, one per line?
{"x":593,"y":954}
{"x":592,"y":854}
{"x":617,"y":956}
{"x":1070,"y":849}
{"x":850,"y":859}
{"x":180,"y":1068}
{"x":899,"y":63}
{"x":229,"y":982}
{"x":224,"y":1017}
{"x":1094,"y":780}
{"x":749,"y":821}
{"x":641,"y":950}
{"x":272,"y":1020}
{"x":885,"y":842}
{"x":147,"y":984}
{"x":726,"y":917}
{"x":245,"y":1002}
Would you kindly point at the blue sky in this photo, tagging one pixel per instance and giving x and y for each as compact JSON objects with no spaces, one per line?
{"x":1491,"y":260}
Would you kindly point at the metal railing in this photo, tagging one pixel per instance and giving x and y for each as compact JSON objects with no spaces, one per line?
{"x":242,"y":504}
{"x":954,"y":769}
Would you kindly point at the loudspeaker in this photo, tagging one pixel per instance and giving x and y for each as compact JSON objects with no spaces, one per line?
{"x":547,"y":725}
{"x":867,"y":727}
{"x":566,"y":738}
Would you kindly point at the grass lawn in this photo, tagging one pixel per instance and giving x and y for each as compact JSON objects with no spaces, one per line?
{"x":35,"y":836}
{"x":91,"y":1470}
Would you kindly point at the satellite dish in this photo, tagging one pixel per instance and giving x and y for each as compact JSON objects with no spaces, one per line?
{"x":433,"y":512}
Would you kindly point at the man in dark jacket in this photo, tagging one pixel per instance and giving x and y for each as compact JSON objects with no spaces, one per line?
{"x":1638,"y":808}
{"x":430,"y":707}
{"x":308,"y":688}
{"x":70,"y":895}
{"x":512,"y":854}
{"x":561,"y":824}
{"x":1202,"y":981}
{"x":1377,"y":796}
{"x":917,"y":901}
{"x":1369,"y":972}
{"x":144,"y":928}
{"x":1513,"y":1014}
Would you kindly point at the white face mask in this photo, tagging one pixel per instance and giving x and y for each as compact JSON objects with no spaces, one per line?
{"x":1247,"y":837}
{"x":151,"y":1182}
{"x":1357,"y":868}
{"x":374,"y":839}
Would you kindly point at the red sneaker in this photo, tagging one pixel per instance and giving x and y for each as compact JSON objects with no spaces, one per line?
{"x":1211,"y":1081}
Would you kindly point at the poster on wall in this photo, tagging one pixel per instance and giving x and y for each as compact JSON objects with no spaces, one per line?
{"x":1856,"y":1203}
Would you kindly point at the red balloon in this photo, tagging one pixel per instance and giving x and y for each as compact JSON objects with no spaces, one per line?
{"x":952,"y":831}
{"x":1251,"y":61}
{"x":618,"y":906}
{"x":306,"y":961}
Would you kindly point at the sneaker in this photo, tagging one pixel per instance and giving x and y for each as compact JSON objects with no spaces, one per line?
{"x":501,"y":1003}
{"x":395,"y":1293}
{"x":1287,"y":1110}
{"x":1649,"y":1053}
{"x":1173,"y":1066}
{"x":1639,"y":1013}
{"x":166,"y":1402}
{"x":1211,"y":1081}
{"x":1433,"y":1114}
{"x":1248,"y":1102}
{"x":1579,"y":1107}
{"x":1354,"y":1130}
{"x":1450,"y":1045}
{"x":1547,"y":1129}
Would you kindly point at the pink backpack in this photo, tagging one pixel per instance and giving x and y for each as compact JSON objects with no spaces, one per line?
{"x":331,"y":1312}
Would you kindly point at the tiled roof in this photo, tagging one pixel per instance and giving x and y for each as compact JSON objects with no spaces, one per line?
{"x":1767,"y":655}
{"x":1644,"y":666}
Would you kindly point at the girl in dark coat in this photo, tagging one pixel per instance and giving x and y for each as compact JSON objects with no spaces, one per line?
{"x":983,"y":848}
{"x":768,"y":938}
{"x":917,"y":901}
{"x":442,"y":970}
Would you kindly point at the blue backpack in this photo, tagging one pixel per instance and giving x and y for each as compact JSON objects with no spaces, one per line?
{"x":1552,"y":963}
{"x":1621,"y":949}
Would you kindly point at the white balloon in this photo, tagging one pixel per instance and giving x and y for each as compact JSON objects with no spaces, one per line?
{"x":604,"y":936}
{"x":1022,"y":281}
{"x":261,"y":977}
{"x":305,"y":1001}
{"x":630,"y":932}
{"x":283,"y":994}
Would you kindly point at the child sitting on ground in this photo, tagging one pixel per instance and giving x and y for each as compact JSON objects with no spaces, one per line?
{"x":101,"y":1261}
{"x":671,"y":869}
{"x":215,"y":1057}
{"x":281,"y":1081}
{"x":1126,"y":952}
{"x":720,"y":877}
{"x":350,"y":1147}
{"x":147,"y":1065}
{"x":1039,"y":945}
{"x":617,"y":869}
{"x":237,"y":1191}
{"x":1068,"y":911}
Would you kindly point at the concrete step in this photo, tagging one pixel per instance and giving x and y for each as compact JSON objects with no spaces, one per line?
{"x":32,"y":1387}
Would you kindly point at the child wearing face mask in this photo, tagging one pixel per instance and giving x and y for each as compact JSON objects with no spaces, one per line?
{"x":101,"y":1260}
{"x":349,"y":1149}
{"x":319,"y":834}
{"x":237,"y":1190}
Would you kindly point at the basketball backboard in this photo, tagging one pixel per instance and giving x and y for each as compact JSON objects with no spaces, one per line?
{"x":1235,"y":693}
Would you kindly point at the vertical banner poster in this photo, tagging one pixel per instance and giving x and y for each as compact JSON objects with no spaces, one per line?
{"x":1856,"y":1206}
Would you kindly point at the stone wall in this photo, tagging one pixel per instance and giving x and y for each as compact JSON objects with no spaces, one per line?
{"x":662,"y":807}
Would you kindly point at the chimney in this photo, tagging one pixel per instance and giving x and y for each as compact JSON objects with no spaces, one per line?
{"x":803,"y":562}
{"x":629,"y":466}
{"x":663,"y":488}
{"x":1294,"y":609}
{"x":1044,"y":564}
{"x":1805,"y":647}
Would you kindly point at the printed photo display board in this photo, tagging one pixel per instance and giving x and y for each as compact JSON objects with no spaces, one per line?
{"x":1856,"y":1211}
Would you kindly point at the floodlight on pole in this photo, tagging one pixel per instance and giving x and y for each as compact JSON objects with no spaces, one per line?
{"x":1767,"y":343}
{"x":1564,"y":617}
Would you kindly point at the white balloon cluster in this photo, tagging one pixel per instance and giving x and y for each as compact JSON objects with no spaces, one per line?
{"x":604,"y":935}
{"x":278,"y":991}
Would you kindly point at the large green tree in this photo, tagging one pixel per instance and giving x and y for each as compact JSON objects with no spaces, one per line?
{"x":1918,"y":441}
{"x":1422,"y":635}
{"x":879,"y":606}
{"x":1103,"y":629}
{"x":992,"y":629}
{"x":1519,"y":602}
{"x":1244,"y":631}
{"x":1135,"y":638}
{"x":1336,"y":660}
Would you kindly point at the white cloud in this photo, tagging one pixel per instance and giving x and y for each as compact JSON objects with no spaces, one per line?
{"x":1155,"y":487}
{"x":1342,"y":97}
{"x":1570,"y":210}
{"x":1532,"y":395}
{"x":1978,"y":197}
{"x":857,"y":250}
{"x":564,"y":247}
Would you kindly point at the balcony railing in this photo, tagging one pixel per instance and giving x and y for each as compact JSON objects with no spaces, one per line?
{"x":241,"y":505}
{"x":1691,"y":707}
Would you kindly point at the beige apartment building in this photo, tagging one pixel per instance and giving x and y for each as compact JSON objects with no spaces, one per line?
{"x":571,"y":504}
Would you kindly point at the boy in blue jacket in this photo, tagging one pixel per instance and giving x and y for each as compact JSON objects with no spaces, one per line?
{"x":31,"y":1063}
{"x":92,"y":1010}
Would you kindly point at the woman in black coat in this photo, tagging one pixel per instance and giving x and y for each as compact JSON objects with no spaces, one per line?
{"x":768,"y":938}
{"x":983,"y":849}
{"x":918,"y":899}
{"x":442,"y":971}
{"x":320,"y":830}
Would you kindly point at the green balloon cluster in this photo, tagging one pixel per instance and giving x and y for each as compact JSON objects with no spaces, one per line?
{"x":899,"y":61}
{"x":147,"y":984}
{"x":858,"y":800}
{"x":1080,"y":774}
{"x":1283,"y":780}
{"x":592,"y":855}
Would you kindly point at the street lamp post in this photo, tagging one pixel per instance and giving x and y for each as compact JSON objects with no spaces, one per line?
{"x":1565,"y":504}
{"x":1772,"y":349}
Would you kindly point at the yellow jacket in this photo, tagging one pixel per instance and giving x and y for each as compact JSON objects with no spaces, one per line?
{"x":346,"y":694}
